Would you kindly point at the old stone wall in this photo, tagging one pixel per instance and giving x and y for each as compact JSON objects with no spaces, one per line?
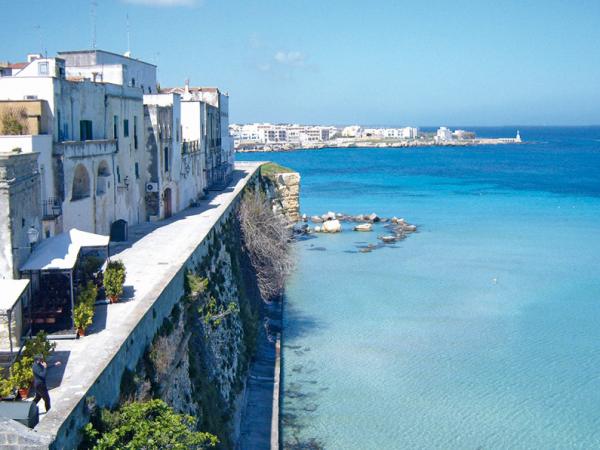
{"x":190,"y":349}
{"x":284,"y":190}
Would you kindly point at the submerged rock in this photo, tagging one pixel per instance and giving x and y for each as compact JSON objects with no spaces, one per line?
{"x":363,"y":227}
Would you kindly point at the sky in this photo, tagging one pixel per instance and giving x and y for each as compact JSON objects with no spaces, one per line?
{"x":377,"y":62}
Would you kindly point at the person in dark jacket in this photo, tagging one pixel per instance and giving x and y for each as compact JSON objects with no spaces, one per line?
{"x":39,"y":380}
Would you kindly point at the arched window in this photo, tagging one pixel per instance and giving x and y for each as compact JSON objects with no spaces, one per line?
{"x":81,"y":183}
{"x":102,"y":178}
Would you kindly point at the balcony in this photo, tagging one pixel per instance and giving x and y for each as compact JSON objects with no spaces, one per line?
{"x":52,"y":208}
{"x":189,"y":147}
{"x":86,"y":149}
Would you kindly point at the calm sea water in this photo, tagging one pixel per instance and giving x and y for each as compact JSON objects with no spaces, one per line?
{"x":482,"y":331}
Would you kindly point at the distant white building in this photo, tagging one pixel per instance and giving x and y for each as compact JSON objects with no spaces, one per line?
{"x":443,"y":135}
{"x":352,"y":131}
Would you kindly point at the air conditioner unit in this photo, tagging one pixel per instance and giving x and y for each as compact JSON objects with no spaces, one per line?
{"x":151,"y":187}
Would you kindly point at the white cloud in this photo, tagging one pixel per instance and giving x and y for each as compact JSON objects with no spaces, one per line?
{"x":291,"y":58}
{"x":164,"y":2}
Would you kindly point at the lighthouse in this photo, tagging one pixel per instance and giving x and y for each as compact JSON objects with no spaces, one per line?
{"x":518,"y":138}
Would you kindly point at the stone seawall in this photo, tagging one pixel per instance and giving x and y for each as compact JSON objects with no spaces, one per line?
{"x":284,"y":189}
{"x":98,"y":367}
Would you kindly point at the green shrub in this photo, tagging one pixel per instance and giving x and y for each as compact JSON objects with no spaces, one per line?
{"x":39,"y":345}
{"x":21,"y":373}
{"x":88,"y":294}
{"x":114,"y":278}
{"x":6,"y":387}
{"x":83,"y":315}
{"x":151,"y":425}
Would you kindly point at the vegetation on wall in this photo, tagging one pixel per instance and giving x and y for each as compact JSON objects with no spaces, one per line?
{"x":266,"y":239}
{"x":13,"y":121}
{"x":269,"y":170}
{"x":151,"y":425}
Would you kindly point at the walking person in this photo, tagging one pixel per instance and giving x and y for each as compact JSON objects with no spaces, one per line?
{"x":40,"y":368}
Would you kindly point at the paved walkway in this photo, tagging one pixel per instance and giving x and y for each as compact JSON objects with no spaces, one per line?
{"x":154,"y":254}
{"x":255,"y":430}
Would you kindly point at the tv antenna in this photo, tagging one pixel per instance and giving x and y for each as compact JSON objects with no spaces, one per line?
{"x":93,"y":7}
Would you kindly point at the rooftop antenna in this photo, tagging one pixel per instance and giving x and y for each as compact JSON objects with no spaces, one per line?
{"x":93,"y":6}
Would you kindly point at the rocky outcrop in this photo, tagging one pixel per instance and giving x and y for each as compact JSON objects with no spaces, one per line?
{"x":284,"y":190}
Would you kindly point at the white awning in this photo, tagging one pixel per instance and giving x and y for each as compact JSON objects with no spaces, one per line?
{"x":10,"y":293}
{"x":60,"y":252}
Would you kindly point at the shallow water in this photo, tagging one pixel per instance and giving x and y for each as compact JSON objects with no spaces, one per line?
{"x":482,"y":330}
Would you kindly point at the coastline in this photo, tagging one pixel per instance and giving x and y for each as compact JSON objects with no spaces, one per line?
{"x":274,"y":148}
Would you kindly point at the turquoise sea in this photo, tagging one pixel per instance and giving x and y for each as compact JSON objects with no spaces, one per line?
{"x":481,"y":331}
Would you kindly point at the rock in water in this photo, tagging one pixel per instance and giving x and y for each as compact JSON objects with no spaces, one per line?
{"x":363,"y":227}
{"x":374,"y":217}
{"x":316,"y":219}
{"x":332,"y":226}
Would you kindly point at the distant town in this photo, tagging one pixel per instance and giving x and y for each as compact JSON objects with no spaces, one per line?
{"x":286,"y":137}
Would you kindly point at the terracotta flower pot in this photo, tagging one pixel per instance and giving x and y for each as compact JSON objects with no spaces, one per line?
{"x":80,"y":332}
{"x":23,"y":393}
{"x":114,"y":298}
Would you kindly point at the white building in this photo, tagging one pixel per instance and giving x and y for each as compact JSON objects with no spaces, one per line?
{"x":94,"y":167}
{"x":352,"y":131}
{"x":208,"y":118}
{"x":106,"y":67}
{"x":443,"y":135}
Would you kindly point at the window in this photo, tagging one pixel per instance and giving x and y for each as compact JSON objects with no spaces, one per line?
{"x":85,"y":130}
{"x":102,"y":178}
{"x":166,"y":159}
{"x":126,"y":128}
{"x":118,"y":175}
{"x":115,"y":127}
{"x":135,"y":139}
{"x":137,"y":171}
{"x":43,"y":68}
{"x":177,"y":129}
{"x":81,"y":183}
{"x":133,"y":82}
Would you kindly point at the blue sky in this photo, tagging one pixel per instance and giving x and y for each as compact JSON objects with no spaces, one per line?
{"x":382,"y":62}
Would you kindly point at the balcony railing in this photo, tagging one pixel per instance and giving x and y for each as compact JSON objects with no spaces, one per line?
{"x":52,"y":208}
{"x":82,"y":149}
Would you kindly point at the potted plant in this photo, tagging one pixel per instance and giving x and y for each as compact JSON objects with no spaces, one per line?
{"x":114,"y":277}
{"x":6,"y":388}
{"x":83,"y":314}
{"x":21,"y":375}
{"x":39,"y":345}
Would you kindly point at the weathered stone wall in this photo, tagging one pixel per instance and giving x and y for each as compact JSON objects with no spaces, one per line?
{"x":20,"y":208}
{"x":173,"y":353}
{"x":284,"y":189}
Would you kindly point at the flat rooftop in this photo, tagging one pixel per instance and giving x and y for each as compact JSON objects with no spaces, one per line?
{"x":152,"y":257}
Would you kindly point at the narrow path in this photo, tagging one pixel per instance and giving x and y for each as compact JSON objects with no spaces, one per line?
{"x":255,"y":430}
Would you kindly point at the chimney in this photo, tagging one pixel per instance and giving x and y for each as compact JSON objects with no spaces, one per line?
{"x":187,"y":86}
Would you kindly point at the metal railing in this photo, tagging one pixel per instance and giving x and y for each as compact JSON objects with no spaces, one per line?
{"x":52,"y":208}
